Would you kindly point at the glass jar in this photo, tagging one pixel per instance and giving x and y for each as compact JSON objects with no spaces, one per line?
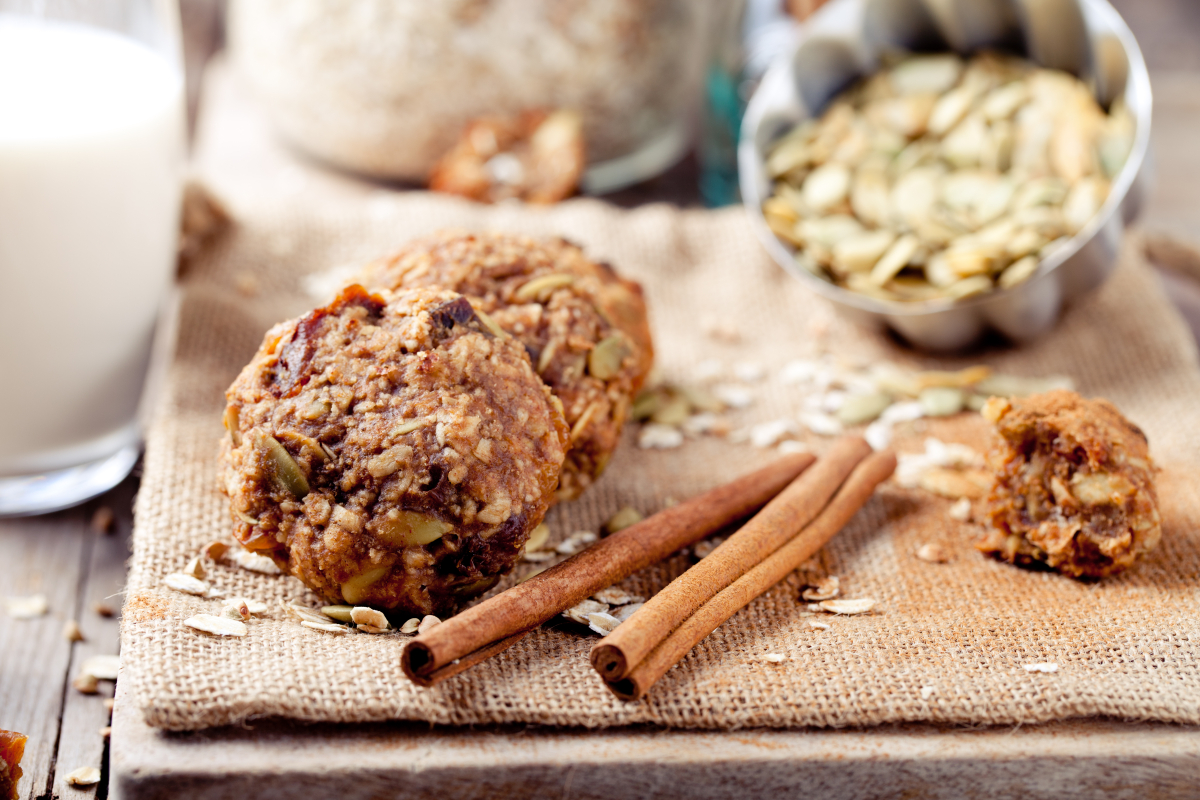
{"x":385,"y":87}
{"x":91,"y":171}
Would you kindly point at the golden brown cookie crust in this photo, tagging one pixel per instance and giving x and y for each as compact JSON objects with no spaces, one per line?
{"x":584,"y":326}
{"x":1074,"y":485}
{"x":391,"y":450}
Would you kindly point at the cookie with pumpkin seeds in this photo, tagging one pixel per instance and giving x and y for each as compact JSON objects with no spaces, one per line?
{"x":584,"y":326}
{"x":391,"y":449}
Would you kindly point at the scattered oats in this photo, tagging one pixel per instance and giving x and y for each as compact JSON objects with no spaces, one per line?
{"x":905,"y":411}
{"x":878,"y":434}
{"x":217,"y":626}
{"x":662,"y":437}
{"x":213,"y":593}
{"x":813,"y":608}
{"x":580,"y":611}
{"x":235,"y":611}
{"x":103,"y":667}
{"x":84,"y":776}
{"x":215,"y":550}
{"x":104,"y":610}
{"x":734,"y":396}
{"x":342,"y":614}
{"x":410,"y":626}
{"x":707,"y":370}
{"x":86,"y":684}
{"x":616,"y":596}
{"x":749,"y":372}
{"x":31,"y":607}
{"x":577,"y":541}
{"x":625,"y":517}
{"x":705,"y":422}
{"x":254,"y":562}
{"x":539,"y":556}
{"x":704,"y":547}
{"x":361,"y":615}
{"x":827,"y":589}
{"x":956,"y":484}
{"x":373,"y":629}
{"x":927,"y":692}
{"x":774,"y":658}
{"x":103,"y":520}
{"x":326,"y":627}
{"x":186,"y":584}
{"x":306,"y":614}
{"x":71,"y":631}
{"x":859,"y":606}
{"x":625,"y":612}
{"x":105,"y":732}
{"x":933,"y":553}
{"x":961,"y":509}
{"x":768,"y":434}
{"x":820,"y":423}
{"x":427,"y":622}
{"x":602,"y":623}
{"x":798,"y":371}
{"x":821,"y":626}
{"x":195,"y":568}
{"x":942,"y":401}
{"x":790,"y":446}
{"x":831,"y":401}
{"x":255,"y":607}
{"x":538,"y":538}
{"x":109,"y":704}
{"x":1041,"y":666}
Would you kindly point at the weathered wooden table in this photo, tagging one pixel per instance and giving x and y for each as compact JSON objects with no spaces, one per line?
{"x":82,"y":569}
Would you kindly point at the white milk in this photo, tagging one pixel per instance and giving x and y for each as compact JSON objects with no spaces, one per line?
{"x":91,"y":153}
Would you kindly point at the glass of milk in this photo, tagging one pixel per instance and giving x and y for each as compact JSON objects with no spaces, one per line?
{"x":91,"y":168}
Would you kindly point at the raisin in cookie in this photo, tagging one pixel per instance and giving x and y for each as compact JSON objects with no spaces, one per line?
{"x":391,"y":449}
{"x":1074,"y":485}
{"x":584,"y":326}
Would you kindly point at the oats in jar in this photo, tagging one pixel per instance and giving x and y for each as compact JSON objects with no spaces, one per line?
{"x":941,"y":178}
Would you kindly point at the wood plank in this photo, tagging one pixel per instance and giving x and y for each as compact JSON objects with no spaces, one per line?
{"x":42,"y":555}
{"x":276,"y":759}
{"x":103,"y":582}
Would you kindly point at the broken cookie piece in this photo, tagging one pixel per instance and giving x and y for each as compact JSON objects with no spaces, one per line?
{"x":1074,"y":486}
{"x":536,"y":157}
{"x":12,"y":748}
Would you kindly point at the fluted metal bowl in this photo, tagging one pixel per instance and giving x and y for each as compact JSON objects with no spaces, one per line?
{"x":844,"y":41}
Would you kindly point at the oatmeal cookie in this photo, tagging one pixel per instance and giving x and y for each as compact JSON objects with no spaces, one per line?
{"x":391,"y":449}
{"x":1074,"y":485}
{"x":12,"y":748}
{"x":584,"y":326}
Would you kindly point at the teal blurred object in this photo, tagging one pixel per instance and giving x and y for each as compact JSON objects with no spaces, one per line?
{"x":748,"y":34}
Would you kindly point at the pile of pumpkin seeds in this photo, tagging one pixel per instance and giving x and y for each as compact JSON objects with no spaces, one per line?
{"x":939,"y":178}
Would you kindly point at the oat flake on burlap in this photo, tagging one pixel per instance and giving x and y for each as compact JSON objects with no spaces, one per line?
{"x":1125,"y":647}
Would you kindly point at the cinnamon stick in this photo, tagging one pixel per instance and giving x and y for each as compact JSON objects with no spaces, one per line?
{"x":616,"y":654}
{"x":479,"y":632}
{"x":853,"y":494}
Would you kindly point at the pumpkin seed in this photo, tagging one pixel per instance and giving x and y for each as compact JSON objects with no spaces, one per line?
{"x":357,"y":588}
{"x":863,"y":408}
{"x":217,"y":626}
{"x":410,"y":528}
{"x":230,"y":420}
{"x":490,"y":324}
{"x":541,"y":287}
{"x":941,"y":401}
{"x":284,"y":469}
{"x":339,"y":613}
{"x":605,"y":359}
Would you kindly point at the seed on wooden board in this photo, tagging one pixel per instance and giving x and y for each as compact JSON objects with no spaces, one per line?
{"x":86,"y":684}
{"x":71,"y":631}
{"x":30,"y":607}
{"x":84,"y":776}
{"x":104,"y":667}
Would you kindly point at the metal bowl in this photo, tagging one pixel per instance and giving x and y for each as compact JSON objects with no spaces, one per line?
{"x":843,"y":42}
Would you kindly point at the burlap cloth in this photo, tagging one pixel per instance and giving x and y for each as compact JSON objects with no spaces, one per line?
{"x":947,"y":642}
